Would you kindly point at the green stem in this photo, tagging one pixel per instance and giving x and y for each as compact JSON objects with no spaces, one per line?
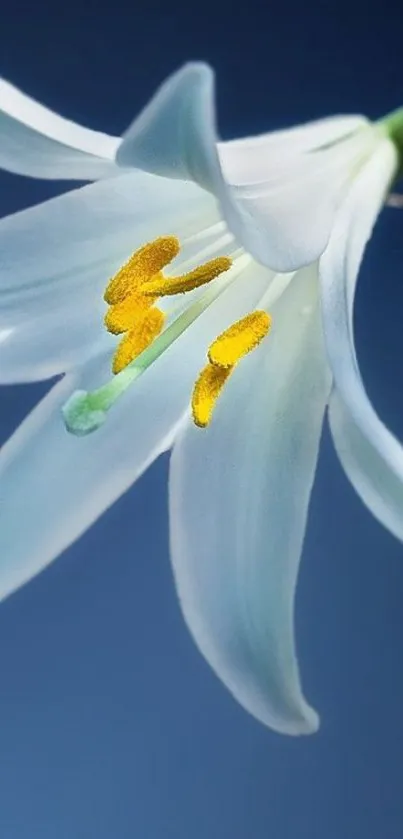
{"x":393,"y":124}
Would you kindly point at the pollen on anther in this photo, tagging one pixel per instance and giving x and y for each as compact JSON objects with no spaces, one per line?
{"x":123,"y":316}
{"x":138,"y":339}
{"x":163,"y":286}
{"x":206,"y":391}
{"x":241,"y":338}
{"x":144,"y":264}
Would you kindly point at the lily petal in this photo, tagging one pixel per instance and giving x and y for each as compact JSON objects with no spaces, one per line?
{"x":55,"y":485}
{"x":57,"y":257}
{"x":370,"y":455}
{"x":37,"y":142}
{"x":284,"y":222}
{"x":239,"y":496}
{"x":244,"y":160}
{"x":55,"y":336}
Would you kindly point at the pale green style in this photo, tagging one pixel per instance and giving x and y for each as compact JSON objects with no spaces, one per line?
{"x":294,"y":210}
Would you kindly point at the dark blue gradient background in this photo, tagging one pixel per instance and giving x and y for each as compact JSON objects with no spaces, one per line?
{"x":111,"y":724}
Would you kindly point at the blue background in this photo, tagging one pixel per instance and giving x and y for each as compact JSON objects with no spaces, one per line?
{"x":111,"y":724}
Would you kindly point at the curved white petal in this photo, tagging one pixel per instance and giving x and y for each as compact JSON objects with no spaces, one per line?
{"x":281,"y":211}
{"x":54,"y":340}
{"x":239,"y":495}
{"x":244,"y":159}
{"x":57,"y":257}
{"x":54,"y":485}
{"x":371,"y":456}
{"x":37,"y":142}
{"x":375,"y":469}
{"x":91,"y":224}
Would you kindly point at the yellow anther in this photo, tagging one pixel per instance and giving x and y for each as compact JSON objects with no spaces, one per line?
{"x":138,"y":339}
{"x":206,"y":392}
{"x":242,"y":337}
{"x":224,"y":353}
{"x":142,"y":265}
{"x":123,"y":316}
{"x":161,"y":286}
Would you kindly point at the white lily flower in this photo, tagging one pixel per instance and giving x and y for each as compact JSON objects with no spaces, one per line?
{"x":262,"y":232}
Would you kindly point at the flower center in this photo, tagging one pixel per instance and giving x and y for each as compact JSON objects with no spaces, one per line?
{"x":132,"y":295}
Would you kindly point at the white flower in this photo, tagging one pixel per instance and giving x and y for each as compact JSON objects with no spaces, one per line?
{"x":292,"y":211}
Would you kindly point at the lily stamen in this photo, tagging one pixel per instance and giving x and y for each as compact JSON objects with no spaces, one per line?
{"x":206,"y":391}
{"x":123,"y":316}
{"x":138,"y":339}
{"x":241,"y":338}
{"x":142,"y":265}
{"x":203,"y":274}
{"x":224,"y":354}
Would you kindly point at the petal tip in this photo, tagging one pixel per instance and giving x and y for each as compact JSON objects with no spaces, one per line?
{"x":195,"y":68}
{"x":307,"y":723}
{"x":297,"y":720}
